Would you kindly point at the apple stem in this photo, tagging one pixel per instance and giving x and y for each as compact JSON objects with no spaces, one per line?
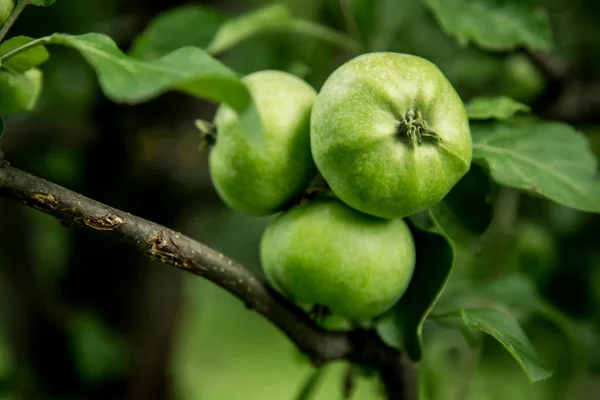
{"x":416,"y":127}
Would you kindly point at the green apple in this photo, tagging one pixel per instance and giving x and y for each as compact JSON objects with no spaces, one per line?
{"x":260,"y":178}
{"x":326,"y":253}
{"x":6,"y":8}
{"x":390,"y":135}
{"x":520,"y":79}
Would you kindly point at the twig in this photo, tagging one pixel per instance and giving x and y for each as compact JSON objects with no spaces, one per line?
{"x":26,"y":46}
{"x":12,"y":18}
{"x":351,"y":24}
{"x":569,"y":97}
{"x":550,"y":66}
{"x":3,"y":161}
{"x":160,"y":243}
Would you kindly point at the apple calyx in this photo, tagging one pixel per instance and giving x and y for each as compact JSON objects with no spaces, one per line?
{"x":414,"y":126}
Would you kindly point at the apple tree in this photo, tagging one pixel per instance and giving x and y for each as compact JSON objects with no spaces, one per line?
{"x":409,"y":166}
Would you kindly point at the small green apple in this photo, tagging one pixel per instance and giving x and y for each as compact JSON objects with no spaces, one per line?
{"x":390,"y":135}
{"x":521,"y":80}
{"x":326,"y":253}
{"x":260,"y":178}
{"x":6,"y":8}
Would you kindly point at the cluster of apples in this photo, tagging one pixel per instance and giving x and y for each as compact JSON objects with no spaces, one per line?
{"x":389,"y":135}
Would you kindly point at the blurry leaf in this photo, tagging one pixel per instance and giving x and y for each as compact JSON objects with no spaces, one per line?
{"x":465,"y":213}
{"x":274,"y":18}
{"x":548,"y":158}
{"x":26,"y":60}
{"x":188,"y":25}
{"x":364,"y":14}
{"x":401,"y":327}
{"x":41,"y":3}
{"x":519,"y":295}
{"x":535,"y":248}
{"x":1,"y":127}
{"x":7,"y":366}
{"x":494,"y":24}
{"x":318,"y":31}
{"x":506,"y":329}
{"x":424,"y":221}
{"x":390,"y":17}
{"x":99,"y":354}
{"x":189,"y":69}
{"x":19,"y":91}
{"x":500,"y":107}
{"x":248,"y":349}
{"x":442,"y":369}
{"x":309,"y":387}
{"x":240,"y":28}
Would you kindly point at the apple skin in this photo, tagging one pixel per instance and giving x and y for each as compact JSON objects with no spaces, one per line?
{"x":361,"y":146}
{"x":6,"y":8}
{"x":326,"y":253}
{"x":260,"y":178}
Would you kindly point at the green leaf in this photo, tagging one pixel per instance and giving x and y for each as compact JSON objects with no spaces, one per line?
{"x":517,"y":294}
{"x":379,"y":22}
{"x":318,"y":31}
{"x":500,"y":107}
{"x":465,"y":212}
{"x":40,"y":3}
{"x":274,"y":18}
{"x":129,"y":80}
{"x":19,"y":91}
{"x":26,"y":60}
{"x":188,"y":25}
{"x":310,"y":386}
{"x":1,"y":127}
{"x":547,"y":158}
{"x":501,"y":325}
{"x":498,"y":25}
{"x":191,"y":70}
{"x":514,"y":292}
{"x":401,"y":327}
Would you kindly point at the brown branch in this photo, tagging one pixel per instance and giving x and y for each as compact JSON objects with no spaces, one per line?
{"x":570,"y":95}
{"x":170,"y":247}
{"x":552,"y":67}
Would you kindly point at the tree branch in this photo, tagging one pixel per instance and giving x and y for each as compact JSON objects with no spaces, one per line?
{"x":550,"y":66}
{"x":570,"y":96}
{"x":170,"y":247}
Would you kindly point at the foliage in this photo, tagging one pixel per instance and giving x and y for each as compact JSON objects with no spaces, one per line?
{"x":481,"y":267}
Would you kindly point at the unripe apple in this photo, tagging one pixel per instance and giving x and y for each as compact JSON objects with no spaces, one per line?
{"x":390,"y":135}
{"x":6,"y":8}
{"x":328,"y":254}
{"x":260,"y":178}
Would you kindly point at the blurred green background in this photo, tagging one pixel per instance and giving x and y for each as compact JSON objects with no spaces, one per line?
{"x":82,"y":317}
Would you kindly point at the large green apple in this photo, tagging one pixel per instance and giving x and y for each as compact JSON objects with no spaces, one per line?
{"x":260,"y":178}
{"x":326,"y":253}
{"x":389,"y":134}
